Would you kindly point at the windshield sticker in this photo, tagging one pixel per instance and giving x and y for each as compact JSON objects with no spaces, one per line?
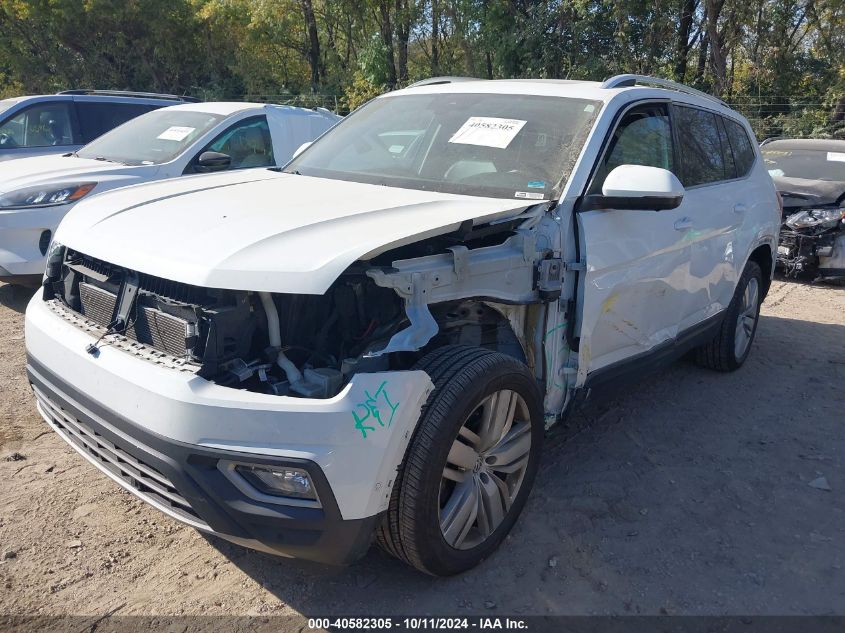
{"x":176,"y":133}
{"x":487,"y":131}
{"x":536,"y":184}
{"x":838,"y":157}
{"x":529,"y":195}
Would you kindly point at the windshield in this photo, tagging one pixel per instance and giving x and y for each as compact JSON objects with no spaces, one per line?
{"x":151,"y":139}
{"x":503,"y":146}
{"x":811,"y":164}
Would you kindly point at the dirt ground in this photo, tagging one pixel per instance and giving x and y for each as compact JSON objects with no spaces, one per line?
{"x":687,"y":493}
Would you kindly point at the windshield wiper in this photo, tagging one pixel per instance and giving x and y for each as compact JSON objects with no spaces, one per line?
{"x":109,"y":160}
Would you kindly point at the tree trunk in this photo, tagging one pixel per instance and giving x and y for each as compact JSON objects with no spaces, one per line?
{"x":403,"y":34}
{"x":387,"y":38}
{"x":717,"y":52}
{"x":687,"y":8}
{"x":313,"y":43}
{"x":435,"y":38}
{"x":703,"y":48}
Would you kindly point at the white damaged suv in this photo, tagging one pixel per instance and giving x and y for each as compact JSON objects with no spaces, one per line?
{"x":370,"y":342}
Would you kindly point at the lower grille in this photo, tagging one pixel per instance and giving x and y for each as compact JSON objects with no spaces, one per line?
{"x":137,"y":477}
{"x":162,"y":331}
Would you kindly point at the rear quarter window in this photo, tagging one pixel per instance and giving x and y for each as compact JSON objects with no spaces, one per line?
{"x":743,"y":150}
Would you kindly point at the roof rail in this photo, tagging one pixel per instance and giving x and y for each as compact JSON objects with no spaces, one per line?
{"x":623,"y":81}
{"x":435,"y":81}
{"x":128,"y":93}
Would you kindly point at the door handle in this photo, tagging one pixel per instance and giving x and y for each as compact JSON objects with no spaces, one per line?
{"x":683,"y":224}
{"x":740,"y":208}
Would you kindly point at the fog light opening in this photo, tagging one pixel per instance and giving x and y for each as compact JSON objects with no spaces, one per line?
{"x":44,"y":241}
{"x":279,"y":481}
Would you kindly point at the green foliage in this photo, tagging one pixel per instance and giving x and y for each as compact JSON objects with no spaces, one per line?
{"x":780,"y":61}
{"x":361,"y":90}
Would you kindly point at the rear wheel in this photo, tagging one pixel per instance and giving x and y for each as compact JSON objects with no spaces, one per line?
{"x":470,"y":465}
{"x":732,"y":344}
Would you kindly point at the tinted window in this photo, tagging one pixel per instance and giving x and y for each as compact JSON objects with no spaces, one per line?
{"x":743,"y":150}
{"x":730,"y":160}
{"x":644,"y":137}
{"x":247,"y":143}
{"x":41,"y":125}
{"x":700,"y":147}
{"x":95,"y":119}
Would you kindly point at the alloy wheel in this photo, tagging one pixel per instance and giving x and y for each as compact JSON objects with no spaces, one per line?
{"x":746,"y":318}
{"x":485,"y":469}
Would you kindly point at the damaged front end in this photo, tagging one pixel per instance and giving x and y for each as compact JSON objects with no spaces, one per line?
{"x":473,"y":286}
{"x":812,"y":242}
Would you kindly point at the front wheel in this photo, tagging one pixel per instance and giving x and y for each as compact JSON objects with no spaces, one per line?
{"x":470,"y":465}
{"x":732,"y":344}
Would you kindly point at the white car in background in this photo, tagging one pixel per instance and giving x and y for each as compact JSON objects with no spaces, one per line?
{"x":196,"y":138}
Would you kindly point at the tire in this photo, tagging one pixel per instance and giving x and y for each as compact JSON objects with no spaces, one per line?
{"x":728,"y":349}
{"x":423,"y":525}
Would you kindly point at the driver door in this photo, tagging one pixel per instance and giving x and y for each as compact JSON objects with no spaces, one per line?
{"x":633,"y":289}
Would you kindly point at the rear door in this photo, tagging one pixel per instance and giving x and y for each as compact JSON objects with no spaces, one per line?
{"x":715,"y":199}
{"x":633,"y":289}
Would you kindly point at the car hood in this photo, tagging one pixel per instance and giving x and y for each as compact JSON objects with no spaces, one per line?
{"x":262,"y":230}
{"x":819,"y":192}
{"x":25,"y":172}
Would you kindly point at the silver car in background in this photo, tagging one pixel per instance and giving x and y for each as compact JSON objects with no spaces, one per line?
{"x":64,"y":122}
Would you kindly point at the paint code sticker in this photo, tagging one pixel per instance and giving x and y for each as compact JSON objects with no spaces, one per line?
{"x":487,"y":131}
{"x":176,"y":133}
{"x":838,"y":157}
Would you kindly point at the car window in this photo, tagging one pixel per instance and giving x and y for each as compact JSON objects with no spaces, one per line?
{"x":40,"y":125}
{"x":743,"y":150}
{"x":643,"y":137}
{"x":728,"y":152}
{"x":801,"y":162}
{"x":700,"y":147}
{"x":248,"y":143}
{"x":97,"y":118}
{"x":497,"y":145}
{"x":152,"y":138}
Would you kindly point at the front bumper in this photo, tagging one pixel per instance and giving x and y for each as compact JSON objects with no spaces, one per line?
{"x":24,"y":238}
{"x":183,"y":481}
{"x":161,"y":433}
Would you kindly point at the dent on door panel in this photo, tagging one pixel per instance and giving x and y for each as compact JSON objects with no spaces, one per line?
{"x":635,"y":284}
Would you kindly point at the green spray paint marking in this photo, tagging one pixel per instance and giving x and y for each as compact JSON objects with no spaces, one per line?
{"x":375,"y":406}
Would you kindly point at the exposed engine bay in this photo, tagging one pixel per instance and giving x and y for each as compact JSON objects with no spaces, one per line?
{"x":374,"y":317}
{"x":812,"y":242}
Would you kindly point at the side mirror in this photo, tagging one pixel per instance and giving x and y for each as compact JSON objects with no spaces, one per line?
{"x":213,"y":161}
{"x":301,"y":149}
{"x":638,"y":187}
